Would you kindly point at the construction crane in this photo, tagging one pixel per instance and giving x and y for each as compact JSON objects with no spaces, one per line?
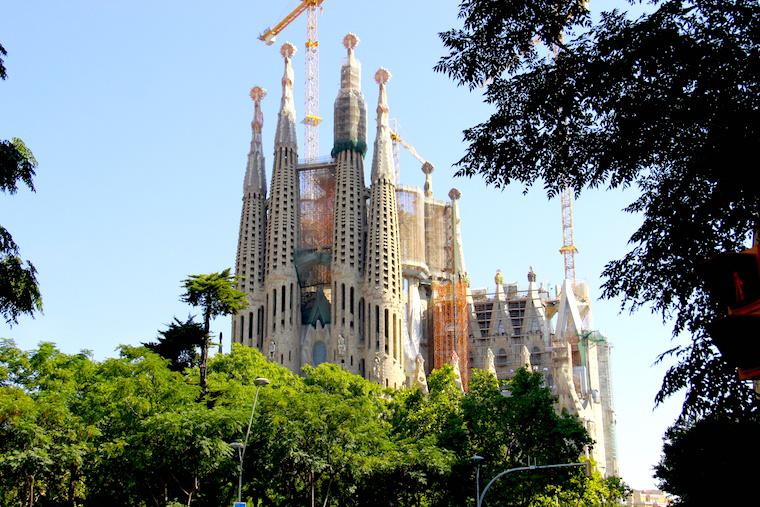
{"x":568,"y":249}
{"x":396,"y":138}
{"x":312,"y":118}
{"x":399,"y":141}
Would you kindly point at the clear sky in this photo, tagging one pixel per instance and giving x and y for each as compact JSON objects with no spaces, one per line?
{"x":138,"y":113}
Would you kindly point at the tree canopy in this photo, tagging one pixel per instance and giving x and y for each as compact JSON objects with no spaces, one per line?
{"x":216,"y":295}
{"x":668,"y":103}
{"x":179,"y":343}
{"x":19,"y":291}
{"x":129,"y":431}
{"x":699,"y":465}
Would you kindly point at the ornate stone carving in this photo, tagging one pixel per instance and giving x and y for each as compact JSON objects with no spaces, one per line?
{"x":272,"y":348}
{"x":341,"y":345}
{"x":457,"y":370}
{"x":350,"y":41}
{"x":490,"y":367}
{"x":524,"y":357}
{"x":377,"y":369}
{"x":419,"y":374}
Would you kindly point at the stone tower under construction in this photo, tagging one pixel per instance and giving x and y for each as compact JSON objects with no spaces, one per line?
{"x":370,"y":275}
{"x":326,"y":260}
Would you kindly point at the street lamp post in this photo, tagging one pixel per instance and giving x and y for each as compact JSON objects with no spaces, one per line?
{"x":477,"y":460}
{"x":481,"y":496}
{"x":240,"y":447}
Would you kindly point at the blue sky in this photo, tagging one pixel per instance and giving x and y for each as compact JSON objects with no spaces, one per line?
{"x":138,"y":113}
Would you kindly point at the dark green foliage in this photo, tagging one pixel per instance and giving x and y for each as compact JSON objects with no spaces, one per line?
{"x":215,"y":293}
{"x":3,"y":52}
{"x":129,"y":431}
{"x":701,"y":465}
{"x":179,"y":343}
{"x":19,"y":291}
{"x":668,"y":103}
{"x":17,"y":163}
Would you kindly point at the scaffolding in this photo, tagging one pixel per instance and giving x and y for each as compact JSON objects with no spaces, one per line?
{"x":438,"y":241}
{"x":411,"y":222}
{"x":317,"y":201}
{"x":450,"y":321}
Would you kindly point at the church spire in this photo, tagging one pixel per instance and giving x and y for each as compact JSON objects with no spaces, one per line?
{"x":282,"y":294}
{"x":382,"y":161}
{"x":350,"y":125}
{"x":255,"y":177}
{"x":350,"y":216}
{"x":382,"y":273}
{"x":286,"y":121}
{"x":248,"y":323}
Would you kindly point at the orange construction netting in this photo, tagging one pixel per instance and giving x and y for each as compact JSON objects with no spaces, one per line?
{"x":450,"y":331}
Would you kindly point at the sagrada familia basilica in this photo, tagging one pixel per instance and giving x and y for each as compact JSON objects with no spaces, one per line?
{"x":370,"y":275}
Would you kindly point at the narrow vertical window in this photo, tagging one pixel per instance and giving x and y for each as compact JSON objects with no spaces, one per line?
{"x":385,"y":329}
{"x":361,"y":319}
{"x":395,"y":336}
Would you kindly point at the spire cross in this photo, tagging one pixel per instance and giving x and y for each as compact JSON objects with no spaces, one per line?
{"x":287,"y":51}
{"x":257,"y":93}
{"x":382,"y":76}
{"x":350,"y":41}
{"x":287,"y":107}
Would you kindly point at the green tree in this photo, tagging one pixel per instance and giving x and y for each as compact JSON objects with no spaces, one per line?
{"x":179,"y":343}
{"x":667,"y":103}
{"x":129,"y":431}
{"x":506,"y":431}
{"x":697,"y":456}
{"x":19,"y":291}
{"x":509,"y":431}
{"x":43,"y":442}
{"x":216,"y":295}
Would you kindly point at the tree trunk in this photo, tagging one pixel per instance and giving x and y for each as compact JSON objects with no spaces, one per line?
{"x":31,"y":491}
{"x":72,"y":486}
{"x":327,"y":494}
{"x":204,"y":349}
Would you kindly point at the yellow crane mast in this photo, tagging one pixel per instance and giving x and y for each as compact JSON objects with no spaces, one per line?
{"x":312,"y":118}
